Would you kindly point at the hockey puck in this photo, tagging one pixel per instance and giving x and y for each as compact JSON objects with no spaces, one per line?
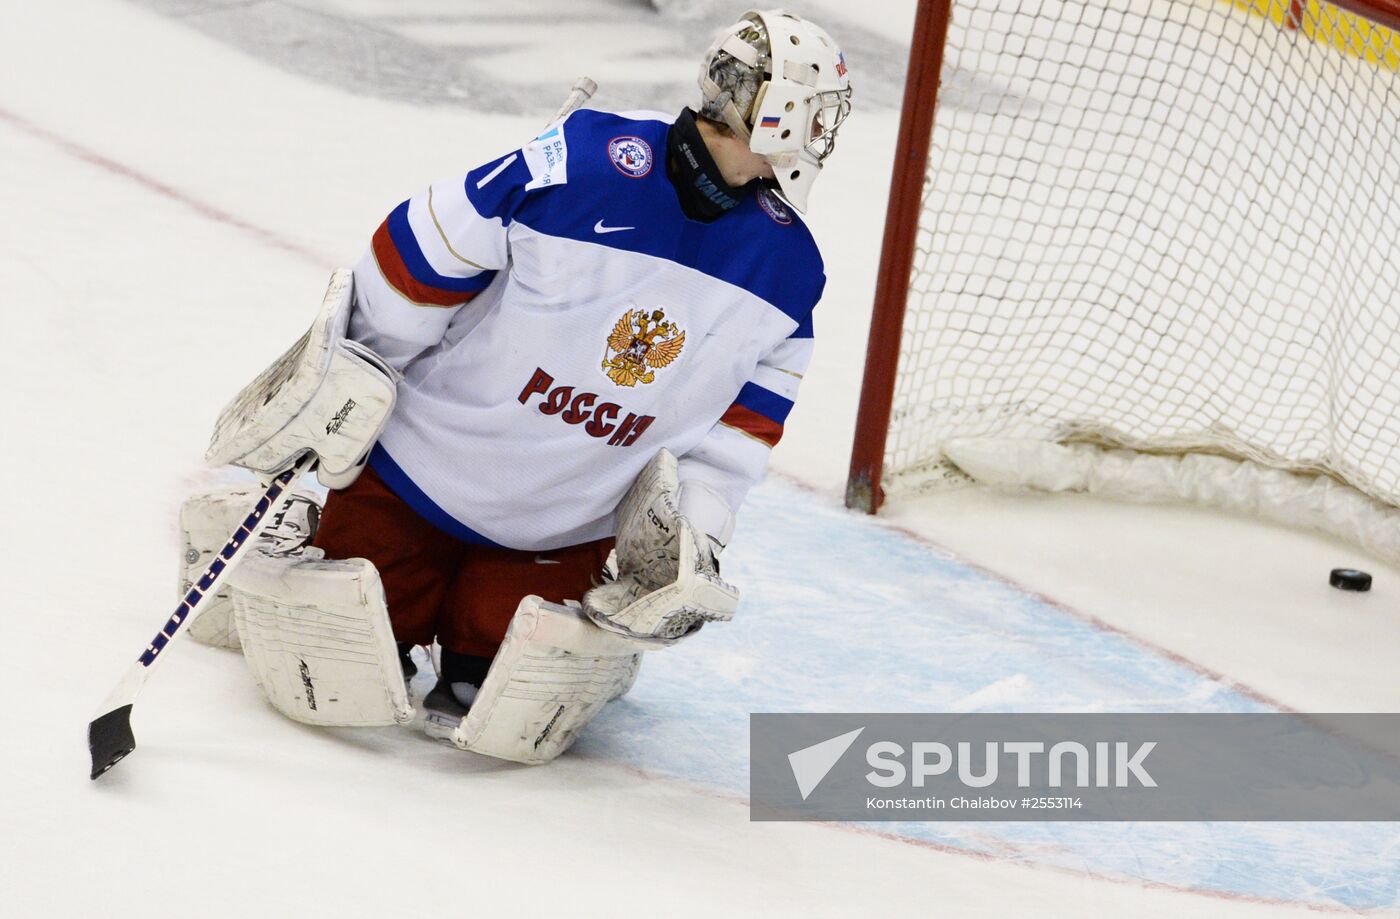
{"x":1349,"y":579}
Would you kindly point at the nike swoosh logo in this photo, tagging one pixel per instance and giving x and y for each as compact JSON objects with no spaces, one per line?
{"x":599,"y":228}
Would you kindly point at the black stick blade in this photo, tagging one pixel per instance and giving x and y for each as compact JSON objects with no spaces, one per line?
{"x":110,"y":739}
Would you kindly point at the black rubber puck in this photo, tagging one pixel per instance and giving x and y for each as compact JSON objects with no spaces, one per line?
{"x":1349,"y":579}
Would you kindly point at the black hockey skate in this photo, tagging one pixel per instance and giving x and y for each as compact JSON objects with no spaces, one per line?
{"x":410,"y":669}
{"x":446,"y":704}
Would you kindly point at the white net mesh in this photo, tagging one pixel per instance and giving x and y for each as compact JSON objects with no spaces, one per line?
{"x":1165,"y":225}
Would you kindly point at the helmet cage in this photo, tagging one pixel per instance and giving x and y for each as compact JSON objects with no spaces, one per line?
{"x":780,"y":84}
{"x":830,"y":112}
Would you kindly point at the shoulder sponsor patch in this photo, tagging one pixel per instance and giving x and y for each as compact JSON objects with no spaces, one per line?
{"x":773,"y":206}
{"x":631,"y":155}
{"x":548,"y":159}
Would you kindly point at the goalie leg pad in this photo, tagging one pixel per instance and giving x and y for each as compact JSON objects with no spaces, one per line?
{"x":553,"y":675}
{"x":206,"y":521}
{"x":316,"y":636}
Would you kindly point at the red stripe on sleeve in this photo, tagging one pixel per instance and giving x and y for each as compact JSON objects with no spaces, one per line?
{"x":396,"y":273}
{"x":753,"y":424}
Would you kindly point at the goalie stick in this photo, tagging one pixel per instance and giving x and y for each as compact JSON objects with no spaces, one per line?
{"x":110,"y":737}
{"x":582,"y":90}
{"x":109,"y":734}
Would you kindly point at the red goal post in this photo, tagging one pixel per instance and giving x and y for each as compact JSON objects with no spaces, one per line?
{"x":897,"y":254}
{"x":1290,"y":78}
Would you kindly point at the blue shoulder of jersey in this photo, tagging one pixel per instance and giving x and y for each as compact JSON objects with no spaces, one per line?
{"x":606,"y":184}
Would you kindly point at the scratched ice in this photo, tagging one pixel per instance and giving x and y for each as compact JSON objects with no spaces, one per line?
{"x":857,"y":617}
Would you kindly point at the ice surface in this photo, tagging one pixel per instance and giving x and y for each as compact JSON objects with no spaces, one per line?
{"x":880,"y":622}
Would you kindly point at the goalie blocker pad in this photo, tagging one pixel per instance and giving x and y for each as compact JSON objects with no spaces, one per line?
{"x":327,"y":395}
{"x":316,"y":636}
{"x":554,"y":672}
{"x":206,"y":521}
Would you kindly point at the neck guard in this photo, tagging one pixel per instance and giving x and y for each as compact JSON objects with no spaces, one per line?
{"x":703,"y":193}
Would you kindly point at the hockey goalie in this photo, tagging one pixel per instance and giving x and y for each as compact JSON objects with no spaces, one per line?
{"x":537,"y":401}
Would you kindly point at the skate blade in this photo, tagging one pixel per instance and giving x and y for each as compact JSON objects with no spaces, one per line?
{"x":441,"y":727}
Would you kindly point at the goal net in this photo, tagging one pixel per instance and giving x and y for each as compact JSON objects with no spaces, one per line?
{"x":1166,"y":225}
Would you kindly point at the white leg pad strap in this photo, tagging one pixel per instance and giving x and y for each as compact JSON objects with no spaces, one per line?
{"x":554,"y":673}
{"x":207,"y":520}
{"x":316,"y":636}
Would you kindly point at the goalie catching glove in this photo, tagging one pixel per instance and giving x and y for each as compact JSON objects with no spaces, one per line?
{"x":667,"y":584}
{"x":328,"y":395}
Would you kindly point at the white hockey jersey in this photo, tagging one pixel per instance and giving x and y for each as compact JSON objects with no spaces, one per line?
{"x":559,"y":319}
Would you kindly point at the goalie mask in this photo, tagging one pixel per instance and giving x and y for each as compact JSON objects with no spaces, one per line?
{"x":780,"y":83}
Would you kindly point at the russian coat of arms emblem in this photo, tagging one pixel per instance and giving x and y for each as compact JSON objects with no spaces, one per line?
{"x":640,"y":344}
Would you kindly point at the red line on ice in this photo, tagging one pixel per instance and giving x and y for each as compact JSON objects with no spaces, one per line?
{"x":1009,"y":852}
{"x":169,"y":192}
{"x":1099,"y":623}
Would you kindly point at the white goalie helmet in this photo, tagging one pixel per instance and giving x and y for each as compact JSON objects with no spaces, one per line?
{"x":780,"y":83}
